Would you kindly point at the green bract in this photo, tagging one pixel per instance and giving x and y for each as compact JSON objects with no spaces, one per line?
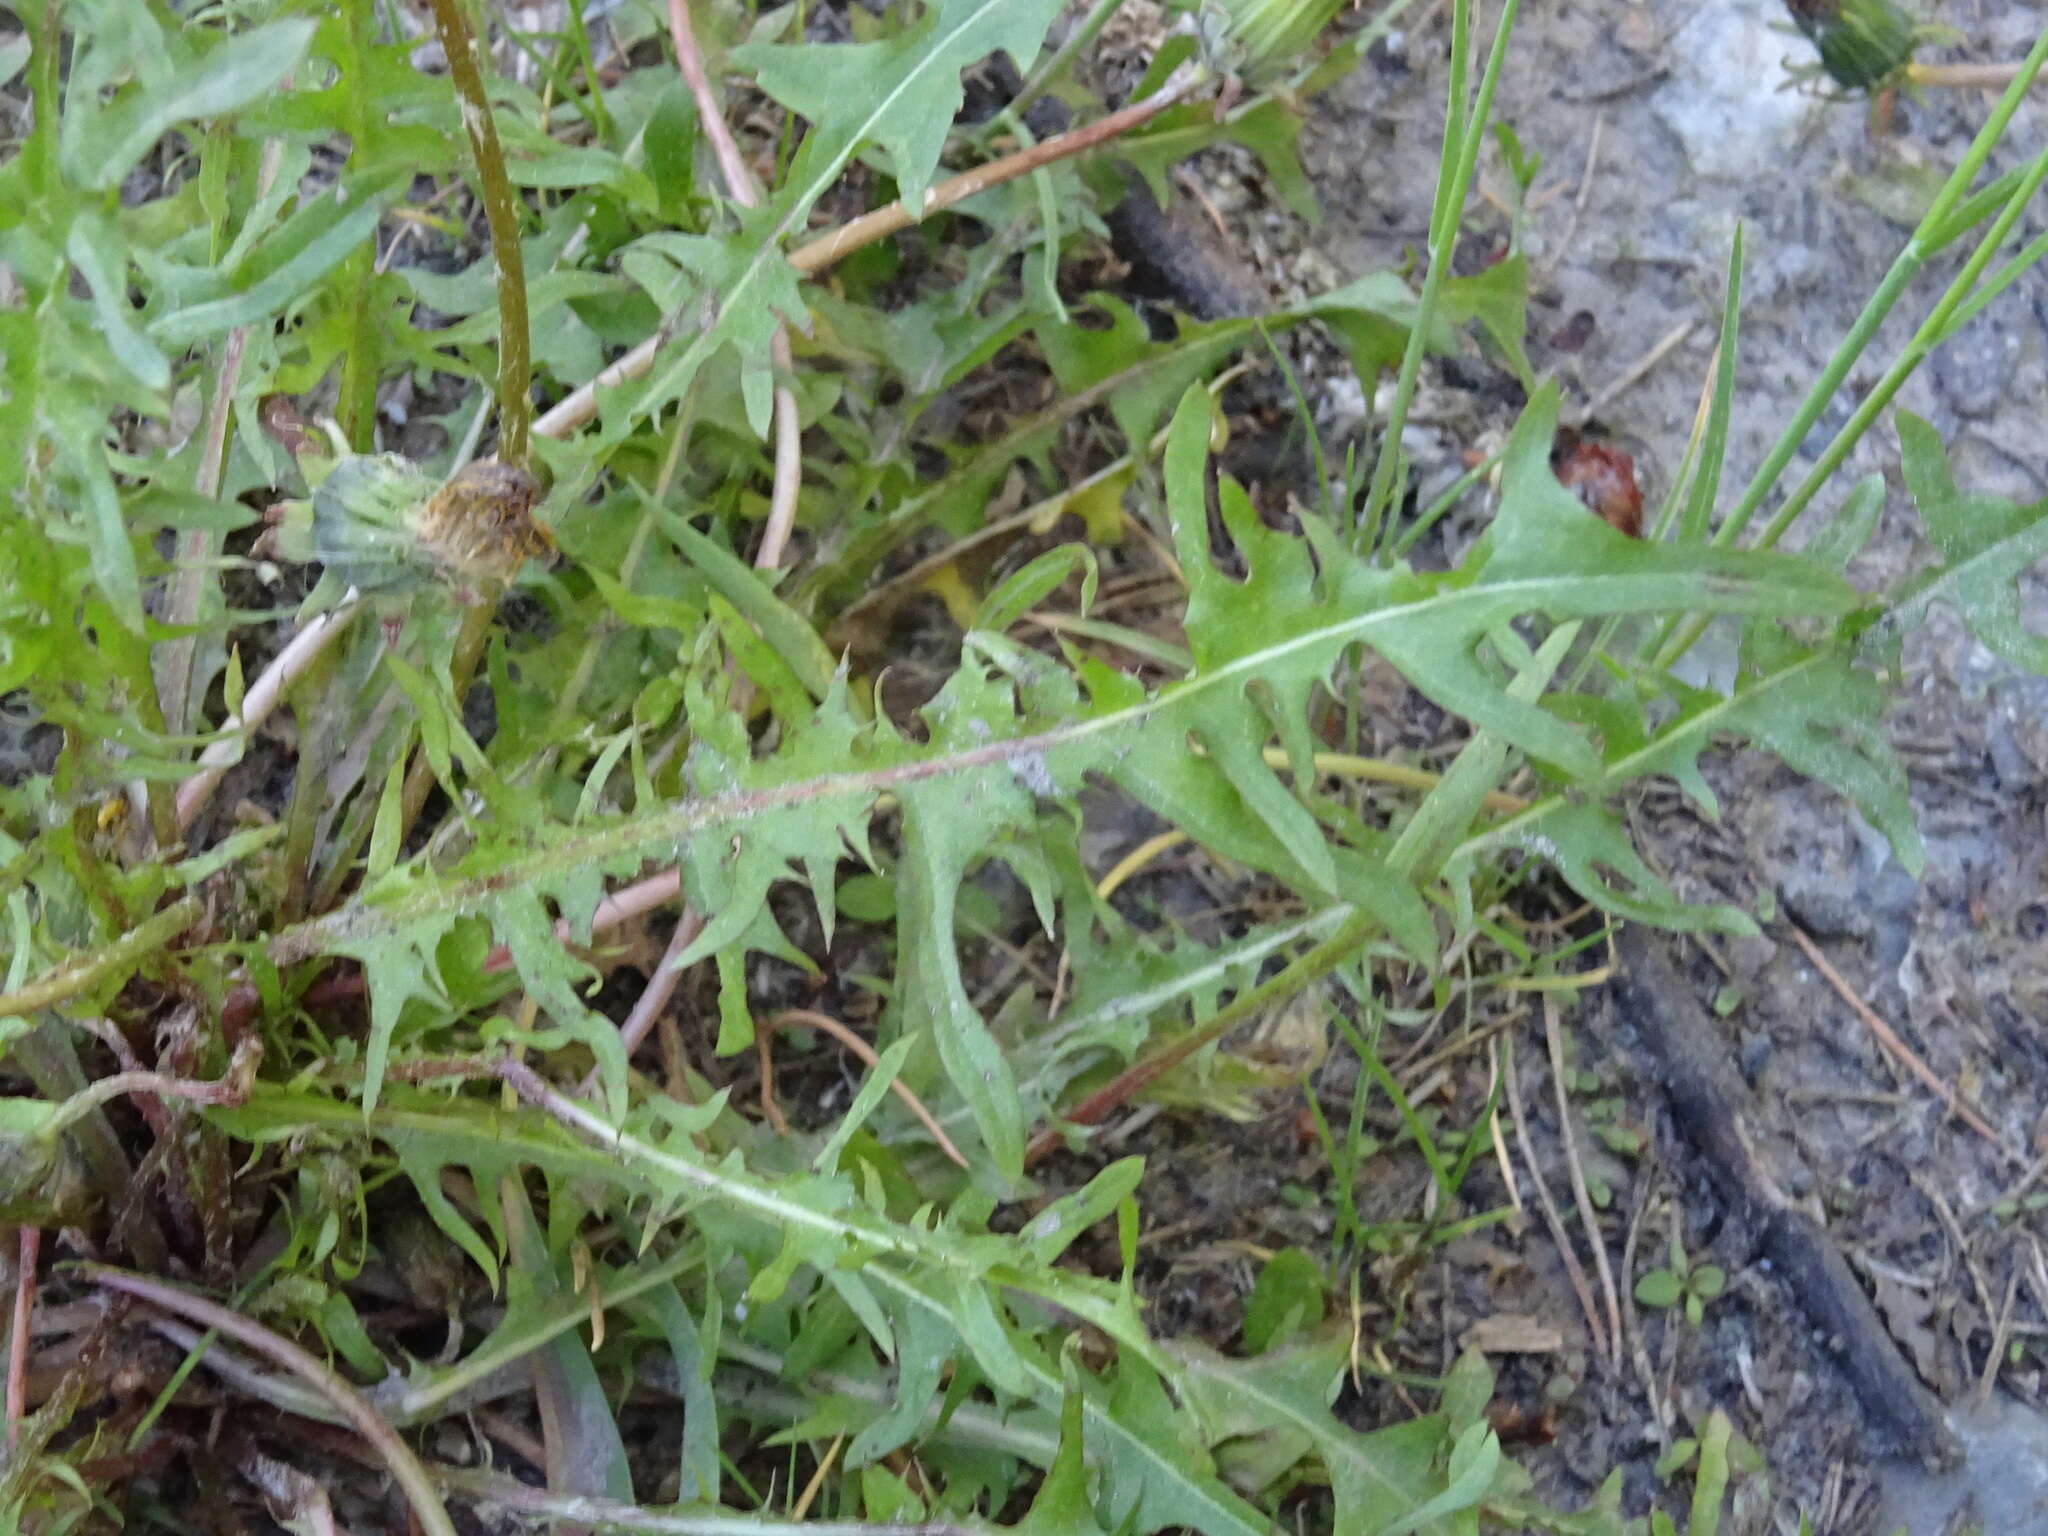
{"x":362,"y":515}
{"x":1261,"y":39}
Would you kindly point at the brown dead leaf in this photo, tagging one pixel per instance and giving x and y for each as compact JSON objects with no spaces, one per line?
{"x":1908,"y":1316}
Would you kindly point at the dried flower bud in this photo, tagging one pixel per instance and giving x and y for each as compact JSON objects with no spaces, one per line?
{"x":1605,"y":480}
{"x":480,"y":527}
{"x":281,"y":421}
{"x":381,"y":524}
{"x":1862,"y":43}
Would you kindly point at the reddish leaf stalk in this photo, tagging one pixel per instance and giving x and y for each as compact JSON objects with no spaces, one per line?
{"x":29,"y":1255}
{"x":231,"y":1088}
{"x":829,"y":249}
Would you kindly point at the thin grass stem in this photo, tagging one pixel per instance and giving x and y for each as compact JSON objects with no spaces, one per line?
{"x":1459,"y":162}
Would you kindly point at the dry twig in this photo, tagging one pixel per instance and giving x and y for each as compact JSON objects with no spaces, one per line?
{"x":29,"y":1253}
{"x":1640,"y":369}
{"x":835,"y":245}
{"x":809,"y":1018}
{"x":1645,"y":1178}
{"x":1981,"y":77}
{"x":405,"y":1467}
{"x":1572,"y":1267}
{"x":1589,"y":1217}
{"x":1898,"y":1049}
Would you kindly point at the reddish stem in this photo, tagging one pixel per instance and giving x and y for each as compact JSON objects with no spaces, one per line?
{"x":30,"y":1242}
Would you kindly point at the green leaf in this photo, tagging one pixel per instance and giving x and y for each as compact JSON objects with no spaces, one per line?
{"x":43,"y":1179}
{"x":398,"y":968}
{"x":1544,"y":538}
{"x":1811,"y":707}
{"x":1659,"y":1288}
{"x":700,"y":1417}
{"x":903,"y":93}
{"x":1498,"y":298}
{"x":108,"y":541}
{"x":1033,"y":582}
{"x":739,"y":584}
{"x":585,"y":1452}
{"x":1475,"y":1461}
{"x":279,"y":270}
{"x":1083,"y":356}
{"x":1373,"y":315}
{"x":101,"y":256}
{"x":1449,"y":809}
{"x":100,"y":146}
{"x":1270,"y":129}
{"x":1278,"y":1406}
{"x":1595,"y":857}
{"x":1711,"y":1482}
{"x":944,"y":835}
{"x":730,"y":880}
{"x":1699,"y":503}
{"x":888,"y":1067}
{"x":1835,"y":545}
{"x":1467,"y":1390}
{"x":1677,"y":1458}
{"x":1287,"y":1298}
{"x":1152,"y":1475}
{"x":1060,"y":1507}
{"x":1986,"y":543}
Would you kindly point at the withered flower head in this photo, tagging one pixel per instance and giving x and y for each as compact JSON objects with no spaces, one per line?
{"x":1605,"y":480}
{"x":381,"y":524}
{"x":480,"y":524}
{"x":1863,"y":43}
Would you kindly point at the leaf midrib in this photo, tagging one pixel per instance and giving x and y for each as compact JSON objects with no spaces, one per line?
{"x":1529,"y":594}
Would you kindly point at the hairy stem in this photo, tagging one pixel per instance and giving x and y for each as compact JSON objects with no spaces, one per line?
{"x":501,"y":209}
{"x":122,"y":955}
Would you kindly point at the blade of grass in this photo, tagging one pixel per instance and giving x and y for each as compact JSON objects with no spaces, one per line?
{"x":1918,"y":249}
{"x":1457,"y":165}
{"x":1699,"y":503}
